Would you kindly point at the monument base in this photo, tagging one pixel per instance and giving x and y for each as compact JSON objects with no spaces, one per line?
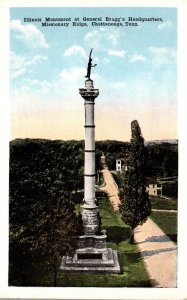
{"x":91,"y":261}
{"x":92,"y":256}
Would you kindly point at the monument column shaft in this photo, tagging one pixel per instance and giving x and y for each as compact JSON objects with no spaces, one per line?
{"x":90,"y":209}
{"x":89,"y":162}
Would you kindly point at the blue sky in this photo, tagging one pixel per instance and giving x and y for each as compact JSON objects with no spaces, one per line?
{"x":135,"y":73}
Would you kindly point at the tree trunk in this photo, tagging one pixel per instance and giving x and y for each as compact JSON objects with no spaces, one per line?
{"x":131,"y":240}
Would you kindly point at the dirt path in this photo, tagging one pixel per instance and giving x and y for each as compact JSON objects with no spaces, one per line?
{"x":158,"y":251}
{"x":109,"y":186}
{"x":159,"y":254}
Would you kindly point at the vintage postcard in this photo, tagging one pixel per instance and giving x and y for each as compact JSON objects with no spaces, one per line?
{"x":92,"y":179}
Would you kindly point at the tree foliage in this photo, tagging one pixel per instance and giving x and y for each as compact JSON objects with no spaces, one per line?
{"x":162,"y":160}
{"x":43,"y":223}
{"x":170,"y":189}
{"x":112,"y":150}
{"x":135,"y":204}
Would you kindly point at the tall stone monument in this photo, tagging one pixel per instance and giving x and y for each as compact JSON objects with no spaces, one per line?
{"x":92,"y":255}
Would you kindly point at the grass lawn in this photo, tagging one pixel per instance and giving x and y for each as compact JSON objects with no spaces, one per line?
{"x":162,"y":203}
{"x":133,"y":272}
{"x":167,"y":222}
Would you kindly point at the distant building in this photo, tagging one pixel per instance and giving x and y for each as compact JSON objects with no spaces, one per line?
{"x":121,"y":166}
{"x":154,"y":187}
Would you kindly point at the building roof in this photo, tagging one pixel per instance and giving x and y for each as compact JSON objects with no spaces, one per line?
{"x":122,"y":159}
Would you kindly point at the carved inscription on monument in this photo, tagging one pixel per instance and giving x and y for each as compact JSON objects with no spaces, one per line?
{"x":90,"y":218}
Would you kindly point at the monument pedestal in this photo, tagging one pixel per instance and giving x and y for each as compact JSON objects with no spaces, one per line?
{"x":92,"y":256}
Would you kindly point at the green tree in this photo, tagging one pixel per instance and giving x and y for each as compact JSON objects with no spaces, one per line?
{"x":135,"y":205}
{"x":41,"y":241}
{"x":43,"y":223}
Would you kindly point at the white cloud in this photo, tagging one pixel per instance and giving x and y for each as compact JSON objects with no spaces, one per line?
{"x":162,"y":56}
{"x":119,"y":53}
{"x":94,"y":38}
{"x":136,"y":57}
{"x":105,"y":61}
{"x":99,"y":39}
{"x":91,"y":34}
{"x":32,"y":96}
{"x":61,"y":92}
{"x":44,"y":86}
{"x":73,"y":74}
{"x":119,"y":85}
{"x":165,"y":25}
{"x":19,"y":65}
{"x":113,"y":37}
{"x":163,"y":51}
{"x":75,"y":50}
{"x":29,"y":34}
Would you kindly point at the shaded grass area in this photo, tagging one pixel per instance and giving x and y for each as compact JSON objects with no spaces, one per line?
{"x":162,"y":203}
{"x":133,"y":272}
{"x":167,"y":222}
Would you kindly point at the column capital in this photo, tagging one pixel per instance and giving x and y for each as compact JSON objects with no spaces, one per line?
{"x":89,"y":95}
